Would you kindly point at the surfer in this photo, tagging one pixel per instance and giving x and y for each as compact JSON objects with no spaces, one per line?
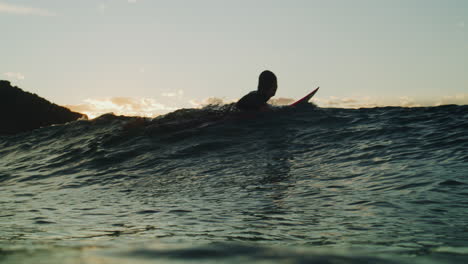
{"x":257,"y":100}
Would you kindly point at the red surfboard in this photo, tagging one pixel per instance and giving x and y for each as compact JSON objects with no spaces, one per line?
{"x":305,"y":99}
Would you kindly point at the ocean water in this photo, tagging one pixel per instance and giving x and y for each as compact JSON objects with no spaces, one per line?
{"x":302,"y":185}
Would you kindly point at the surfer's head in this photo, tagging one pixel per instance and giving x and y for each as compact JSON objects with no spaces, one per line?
{"x":267,"y":83}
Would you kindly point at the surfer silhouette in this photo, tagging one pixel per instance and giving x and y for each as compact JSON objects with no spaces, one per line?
{"x":257,"y":100}
{"x":253,"y":101}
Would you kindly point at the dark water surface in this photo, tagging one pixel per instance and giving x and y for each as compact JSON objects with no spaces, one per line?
{"x":304,"y":185}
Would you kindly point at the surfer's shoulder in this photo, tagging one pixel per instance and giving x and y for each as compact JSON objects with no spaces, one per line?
{"x":249,"y":97}
{"x":251,"y":101}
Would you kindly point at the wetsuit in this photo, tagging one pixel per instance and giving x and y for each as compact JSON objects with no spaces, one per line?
{"x":253,"y":101}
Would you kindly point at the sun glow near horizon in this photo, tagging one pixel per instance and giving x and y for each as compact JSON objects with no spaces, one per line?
{"x":128,"y":106}
{"x":150,"y":107}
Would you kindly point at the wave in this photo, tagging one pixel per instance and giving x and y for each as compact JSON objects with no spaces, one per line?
{"x":116,"y":140}
{"x":390,"y":179}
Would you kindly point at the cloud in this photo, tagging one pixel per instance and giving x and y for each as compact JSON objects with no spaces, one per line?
{"x":128,"y":106}
{"x":179,"y":93}
{"x":406,"y":101}
{"x":24,"y":10}
{"x":403,"y":101}
{"x":461,"y":24}
{"x":132,"y":1}
{"x":459,"y":99}
{"x":210,"y":101}
{"x":14,"y":75}
{"x":345,"y":102}
{"x":281,"y":101}
{"x":333,"y":101}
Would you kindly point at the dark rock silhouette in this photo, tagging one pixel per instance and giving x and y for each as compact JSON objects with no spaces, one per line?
{"x":22,"y":111}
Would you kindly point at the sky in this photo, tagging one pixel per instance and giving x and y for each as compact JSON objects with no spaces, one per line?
{"x":147,"y":57}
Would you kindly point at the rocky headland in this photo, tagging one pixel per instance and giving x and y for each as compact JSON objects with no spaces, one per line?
{"x":22,"y":111}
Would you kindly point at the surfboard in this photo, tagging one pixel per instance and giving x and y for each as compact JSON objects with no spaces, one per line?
{"x":305,"y":99}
